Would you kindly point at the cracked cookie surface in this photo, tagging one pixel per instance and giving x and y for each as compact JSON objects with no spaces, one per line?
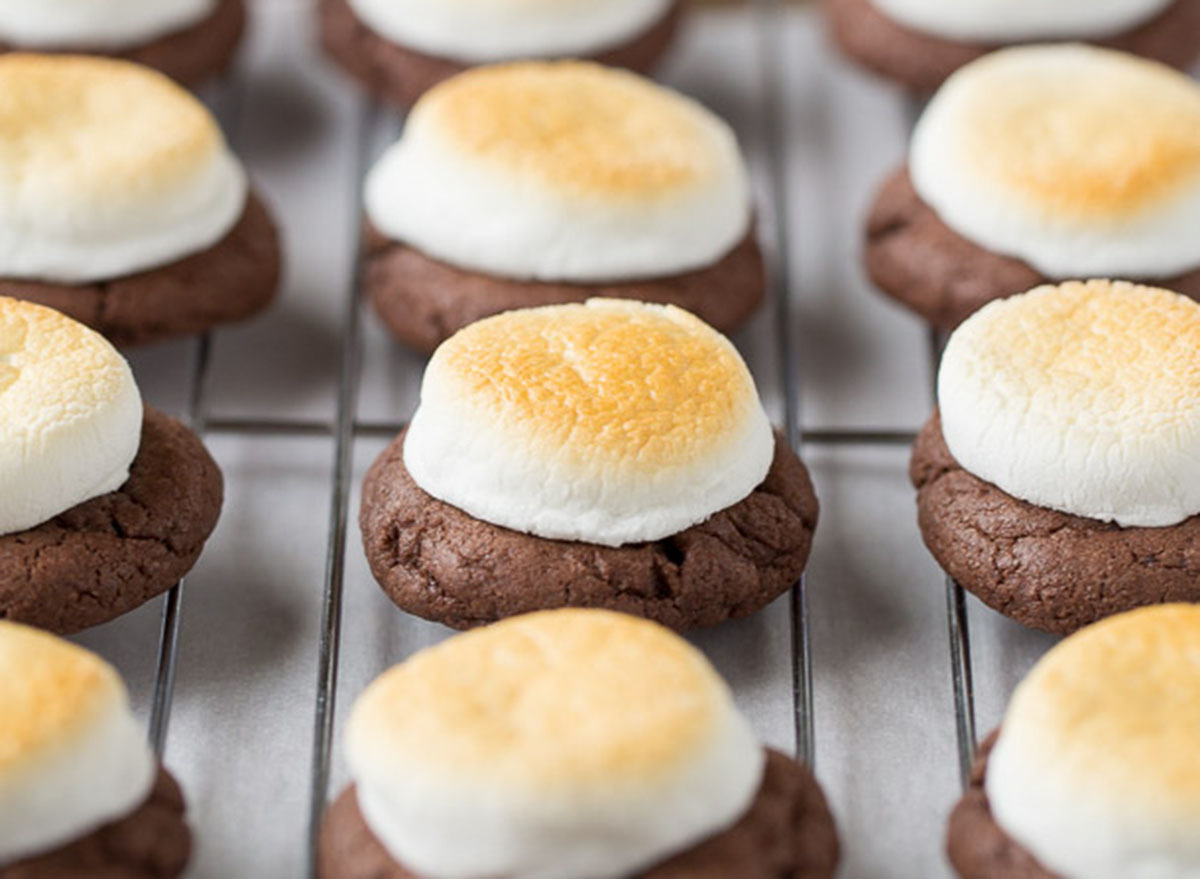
{"x":1045,"y":569}
{"x":114,"y":552}
{"x":235,"y":278}
{"x":442,"y":564}
{"x":788,"y":833}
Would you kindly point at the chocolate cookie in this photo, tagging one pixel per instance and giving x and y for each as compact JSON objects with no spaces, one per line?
{"x":788,"y":833}
{"x":151,"y":843}
{"x":423,"y":301}
{"x":978,"y":847}
{"x":230,"y":281}
{"x":1045,"y":569}
{"x":189,"y":56}
{"x":400,"y":75}
{"x":922,"y":61}
{"x":920,"y":261}
{"x":438,"y":562}
{"x":112,"y":553}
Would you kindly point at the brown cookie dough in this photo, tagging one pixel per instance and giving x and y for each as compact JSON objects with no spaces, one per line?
{"x":108,"y":555}
{"x":152,"y":842}
{"x":423,"y":301}
{"x":1045,"y":569}
{"x":399,"y":75}
{"x":920,"y":261}
{"x":230,"y":281}
{"x":788,"y":833}
{"x":922,"y":61}
{"x":978,"y":847}
{"x":439,"y":563}
{"x":189,"y":56}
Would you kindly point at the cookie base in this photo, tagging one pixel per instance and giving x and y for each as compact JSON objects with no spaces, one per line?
{"x":922,"y":62}
{"x":915,"y":258}
{"x":788,"y":833}
{"x":437,"y":562}
{"x":114,"y":552}
{"x":423,"y":301}
{"x":1045,"y":569}
{"x":153,"y":842}
{"x":235,"y":278}
{"x":189,"y":56}
{"x":399,"y":75}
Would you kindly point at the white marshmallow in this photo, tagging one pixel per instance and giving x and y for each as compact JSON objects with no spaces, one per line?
{"x":106,"y":169}
{"x":1083,"y":162}
{"x":70,"y":415}
{"x":72,"y":756}
{"x":1083,"y":398}
{"x":96,"y":24}
{"x":562,"y":171}
{"x":1011,"y":21}
{"x":571,"y":744}
{"x":612,"y":422}
{"x":479,"y":31}
{"x":1097,"y":768}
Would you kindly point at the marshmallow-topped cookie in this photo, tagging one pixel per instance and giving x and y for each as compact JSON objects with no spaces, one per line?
{"x":1080,"y":161}
{"x":72,"y":756}
{"x":1097,"y":768}
{"x":70,"y":415}
{"x":1083,"y":397}
{"x":91,"y":25}
{"x":995,"y":21}
{"x":479,"y":31}
{"x":563,"y":171}
{"x":609,"y":422}
{"x":529,"y":748}
{"x":106,"y":169}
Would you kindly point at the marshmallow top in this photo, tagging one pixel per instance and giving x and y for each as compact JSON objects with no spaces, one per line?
{"x":562,"y":171}
{"x":612,"y":422}
{"x":479,"y":31}
{"x":70,"y":415}
{"x":1083,"y":162}
{"x":106,"y":169}
{"x":569,"y":744}
{"x":1097,"y":768}
{"x":72,"y":757}
{"x":95,"y":24}
{"x":1004,"y":21}
{"x":1083,"y":398}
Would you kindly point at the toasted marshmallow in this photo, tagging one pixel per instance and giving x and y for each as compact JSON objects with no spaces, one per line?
{"x":1010,"y":21}
{"x":70,"y":415}
{"x":1097,"y":768}
{"x":72,"y":757}
{"x":479,"y":31}
{"x":562,"y":171}
{"x":612,"y":422}
{"x":1082,"y":162}
{"x":106,"y":169}
{"x":1083,"y":398}
{"x":568,"y":744}
{"x":95,"y":24}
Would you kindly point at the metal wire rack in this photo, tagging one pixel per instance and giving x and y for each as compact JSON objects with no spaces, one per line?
{"x":345,"y":427}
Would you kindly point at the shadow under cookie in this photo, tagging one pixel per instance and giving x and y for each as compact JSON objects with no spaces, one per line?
{"x":922,"y":61}
{"x":110,"y":554}
{"x":788,"y":833}
{"x":400,"y":75}
{"x":1046,"y":569}
{"x":424,"y":301}
{"x":189,"y":56}
{"x":230,"y":281}
{"x":438,"y":562}
{"x":915,"y":258}
{"x":153,"y":842}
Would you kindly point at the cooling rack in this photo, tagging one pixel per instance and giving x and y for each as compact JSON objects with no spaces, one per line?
{"x":874,"y":668}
